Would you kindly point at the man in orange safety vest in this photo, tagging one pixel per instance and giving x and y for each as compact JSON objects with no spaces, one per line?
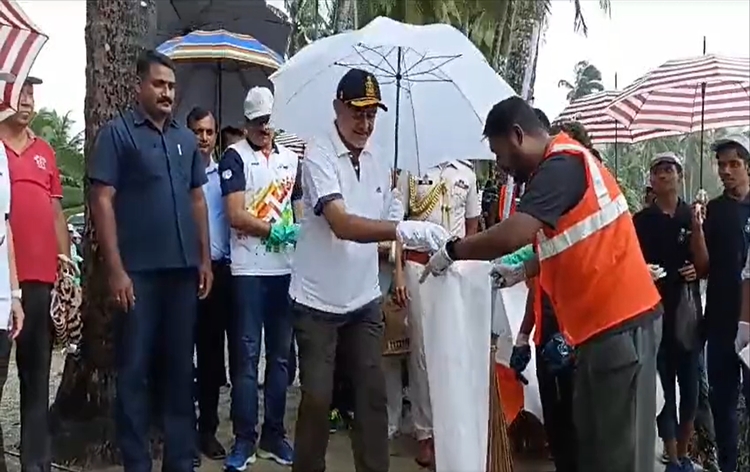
{"x":589,"y":262}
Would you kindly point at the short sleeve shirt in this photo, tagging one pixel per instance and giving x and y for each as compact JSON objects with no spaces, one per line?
{"x":5,"y":289}
{"x":330,"y":274}
{"x":153,"y":173}
{"x":35,"y":184}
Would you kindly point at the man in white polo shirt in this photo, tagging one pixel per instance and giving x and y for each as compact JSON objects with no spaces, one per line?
{"x":346,"y":190}
{"x":257,"y":181}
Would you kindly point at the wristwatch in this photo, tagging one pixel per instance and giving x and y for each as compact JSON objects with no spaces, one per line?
{"x":450,"y":249}
{"x":16,"y":294}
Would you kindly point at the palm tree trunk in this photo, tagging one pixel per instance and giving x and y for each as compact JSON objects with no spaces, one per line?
{"x":518,"y":55}
{"x":116,"y":32}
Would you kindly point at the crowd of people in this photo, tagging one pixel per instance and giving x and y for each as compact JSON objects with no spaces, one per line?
{"x":214,"y":235}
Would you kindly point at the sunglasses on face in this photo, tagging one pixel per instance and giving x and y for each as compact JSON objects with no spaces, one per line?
{"x":260,"y":122}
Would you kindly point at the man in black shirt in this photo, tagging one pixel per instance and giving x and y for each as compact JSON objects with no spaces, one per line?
{"x":614,"y":405}
{"x":669,"y":235}
{"x":727,"y":234}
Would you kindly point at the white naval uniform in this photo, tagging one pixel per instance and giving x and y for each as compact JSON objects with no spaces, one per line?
{"x":461,"y":202}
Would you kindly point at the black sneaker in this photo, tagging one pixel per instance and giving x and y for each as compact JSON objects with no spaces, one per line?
{"x":212,"y":448}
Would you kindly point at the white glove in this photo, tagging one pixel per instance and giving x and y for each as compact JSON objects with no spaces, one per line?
{"x":507,"y":275}
{"x":657,"y":271}
{"x":421,"y":236}
{"x":743,"y":336}
{"x":438,"y":263}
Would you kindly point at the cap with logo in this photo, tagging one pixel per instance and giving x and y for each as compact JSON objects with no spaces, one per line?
{"x":258,"y":103}
{"x":736,"y":139}
{"x":360,"y":88}
{"x":666,"y":158}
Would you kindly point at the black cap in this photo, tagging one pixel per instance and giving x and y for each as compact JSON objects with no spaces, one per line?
{"x":359,"y":88}
{"x":32,"y":81}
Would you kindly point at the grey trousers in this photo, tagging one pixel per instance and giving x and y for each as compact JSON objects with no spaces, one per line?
{"x":614,"y":399}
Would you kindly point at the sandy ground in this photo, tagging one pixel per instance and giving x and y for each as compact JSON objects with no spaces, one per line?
{"x":339,"y":452}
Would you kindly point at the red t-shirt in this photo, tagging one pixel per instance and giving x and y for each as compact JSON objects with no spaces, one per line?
{"x":34,"y":183}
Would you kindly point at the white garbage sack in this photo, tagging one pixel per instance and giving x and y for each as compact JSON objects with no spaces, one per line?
{"x":508,"y":308}
{"x":457,"y":348}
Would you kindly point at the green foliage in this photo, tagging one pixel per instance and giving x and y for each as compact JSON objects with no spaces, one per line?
{"x":57,"y":130}
{"x":72,"y":196}
{"x":633,"y":164}
{"x":587,"y":80}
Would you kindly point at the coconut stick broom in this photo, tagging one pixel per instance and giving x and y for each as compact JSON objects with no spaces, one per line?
{"x":499,"y":453}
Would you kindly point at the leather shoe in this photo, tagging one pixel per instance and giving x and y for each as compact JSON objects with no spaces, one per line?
{"x":212,"y":448}
{"x":426,"y":456}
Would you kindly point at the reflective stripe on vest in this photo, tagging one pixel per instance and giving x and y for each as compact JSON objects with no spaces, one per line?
{"x":609,"y":209}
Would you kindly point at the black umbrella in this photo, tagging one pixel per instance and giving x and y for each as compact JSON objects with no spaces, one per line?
{"x":253,"y":17}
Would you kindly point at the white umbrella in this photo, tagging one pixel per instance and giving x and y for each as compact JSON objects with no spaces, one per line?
{"x":437,"y":85}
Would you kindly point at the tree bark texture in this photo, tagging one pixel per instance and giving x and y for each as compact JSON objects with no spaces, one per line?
{"x":116,"y":32}
{"x":520,"y":49}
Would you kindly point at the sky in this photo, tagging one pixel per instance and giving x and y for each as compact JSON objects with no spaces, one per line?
{"x":640,"y":35}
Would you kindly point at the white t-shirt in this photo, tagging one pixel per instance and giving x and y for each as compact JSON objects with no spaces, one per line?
{"x":330,"y":274}
{"x":5,"y":298}
{"x":268,"y":183}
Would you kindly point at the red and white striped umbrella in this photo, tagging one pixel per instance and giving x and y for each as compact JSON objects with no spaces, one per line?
{"x":590,"y":111}
{"x":20,"y":43}
{"x":671,"y":96}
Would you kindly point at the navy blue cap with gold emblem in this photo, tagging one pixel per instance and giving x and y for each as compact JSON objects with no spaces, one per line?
{"x":360,"y":88}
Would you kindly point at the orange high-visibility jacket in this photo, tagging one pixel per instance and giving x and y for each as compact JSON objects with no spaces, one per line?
{"x":591,"y":264}
{"x":506,"y":203}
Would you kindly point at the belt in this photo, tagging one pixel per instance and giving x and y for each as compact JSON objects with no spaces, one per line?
{"x":224,"y":261}
{"x":419,"y":257}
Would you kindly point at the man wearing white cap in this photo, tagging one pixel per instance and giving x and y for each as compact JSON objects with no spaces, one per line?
{"x":258,"y":181}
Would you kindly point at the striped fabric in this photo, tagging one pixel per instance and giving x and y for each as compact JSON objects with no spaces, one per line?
{"x":292,"y":142}
{"x":669,"y":97}
{"x":590,"y":111}
{"x":20,"y":43}
{"x":220,"y":45}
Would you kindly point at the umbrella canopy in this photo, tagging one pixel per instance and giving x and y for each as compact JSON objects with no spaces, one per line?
{"x":252,"y":17}
{"x":591,"y":112}
{"x":220,"y":45}
{"x":437,"y":85}
{"x":215,"y":69}
{"x":674,"y":97}
{"x":292,"y":142}
{"x":20,"y":43}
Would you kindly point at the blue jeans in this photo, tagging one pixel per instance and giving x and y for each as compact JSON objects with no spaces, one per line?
{"x":262,"y":306}
{"x":725,"y":375}
{"x":677,"y":366}
{"x":161,"y":326}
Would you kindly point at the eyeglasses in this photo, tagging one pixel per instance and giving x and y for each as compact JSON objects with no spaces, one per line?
{"x":363,"y":113}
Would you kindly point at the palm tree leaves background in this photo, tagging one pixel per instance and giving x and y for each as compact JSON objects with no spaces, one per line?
{"x":57,"y":130}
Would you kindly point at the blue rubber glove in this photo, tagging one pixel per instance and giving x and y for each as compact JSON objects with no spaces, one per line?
{"x":519,"y":360}
{"x":276,"y":236}
{"x":559,"y":355}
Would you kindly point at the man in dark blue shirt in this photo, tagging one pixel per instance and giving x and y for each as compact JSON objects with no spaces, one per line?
{"x":669,"y":236}
{"x":727,"y":233}
{"x":149,"y":212}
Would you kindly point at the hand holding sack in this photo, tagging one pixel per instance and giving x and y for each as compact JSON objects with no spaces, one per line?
{"x":421,"y":236}
{"x":507,"y":275}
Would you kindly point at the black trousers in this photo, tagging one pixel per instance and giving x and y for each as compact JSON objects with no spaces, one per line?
{"x":556,"y":392}
{"x":33,"y":358}
{"x":5,"y":347}
{"x":212,"y":327}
